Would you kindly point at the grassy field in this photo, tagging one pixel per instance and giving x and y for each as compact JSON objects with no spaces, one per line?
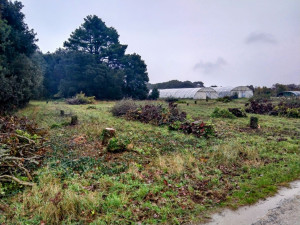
{"x":168,"y":177}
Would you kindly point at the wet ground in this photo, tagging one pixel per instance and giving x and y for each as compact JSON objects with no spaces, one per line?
{"x":281,"y":209}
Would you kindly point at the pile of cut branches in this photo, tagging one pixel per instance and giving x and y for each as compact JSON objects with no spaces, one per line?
{"x":259,"y":107}
{"x":289,"y":108}
{"x":157,"y":114}
{"x":22,"y":147}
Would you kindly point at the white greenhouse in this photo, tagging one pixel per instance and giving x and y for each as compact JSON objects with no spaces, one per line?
{"x":178,"y":92}
{"x":205,"y":92}
{"x":242,"y":92}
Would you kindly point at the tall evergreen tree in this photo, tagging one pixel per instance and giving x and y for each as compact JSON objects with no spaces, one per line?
{"x":94,"y":62}
{"x":19,"y":73}
{"x":136,"y":76}
{"x":94,"y":37}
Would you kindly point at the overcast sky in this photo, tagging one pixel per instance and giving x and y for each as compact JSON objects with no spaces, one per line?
{"x":222,"y":42}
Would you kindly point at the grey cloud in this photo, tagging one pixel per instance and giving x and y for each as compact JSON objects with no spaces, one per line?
{"x":210,"y":67}
{"x":260,"y":38}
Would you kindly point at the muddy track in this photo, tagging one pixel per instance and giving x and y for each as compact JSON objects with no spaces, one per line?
{"x":281,"y":209}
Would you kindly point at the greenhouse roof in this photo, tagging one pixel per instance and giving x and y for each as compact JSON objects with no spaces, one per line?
{"x":295,"y":93}
{"x":241,"y":88}
{"x":178,"y":92}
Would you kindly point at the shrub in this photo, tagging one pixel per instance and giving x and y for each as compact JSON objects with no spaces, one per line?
{"x":289,"y":108}
{"x":80,"y":99}
{"x":171,"y":99}
{"x":123,"y":106}
{"x":237,"y":112}
{"x":181,"y":101}
{"x":293,"y":113}
{"x":117,"y":145}
{"x":224,"y":99}
{"x":154,"y":94}
{"x":222,"y":113}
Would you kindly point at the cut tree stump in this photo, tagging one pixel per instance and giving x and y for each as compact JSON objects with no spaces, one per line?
{"x":253,"y":122}
{"x":74,"y":120}
{"x":107,"y":134}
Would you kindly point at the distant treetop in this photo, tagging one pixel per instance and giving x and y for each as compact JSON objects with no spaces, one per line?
{"x":176,"y":84}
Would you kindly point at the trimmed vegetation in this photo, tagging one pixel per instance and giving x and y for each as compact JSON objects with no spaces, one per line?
{"x":159,"y":175}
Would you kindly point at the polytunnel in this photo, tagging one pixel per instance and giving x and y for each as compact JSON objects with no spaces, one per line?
{"x":206,"y":92}
{"x":289,"y":94}
{"x":223,"y":91}
{"x":178,"y":92}
{"x":213,"y":92}
{"x":242,"y":92}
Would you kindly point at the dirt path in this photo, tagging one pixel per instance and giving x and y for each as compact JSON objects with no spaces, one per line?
{"x":281,"y":209}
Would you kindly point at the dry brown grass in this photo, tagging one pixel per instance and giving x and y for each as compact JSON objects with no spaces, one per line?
{"x":231,"y":152}
{"x":55,"y":202}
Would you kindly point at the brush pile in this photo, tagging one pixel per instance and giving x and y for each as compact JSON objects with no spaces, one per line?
{"x":198,"y":128}
{"x":259,"y":107}
{"x":290,"y":108}
{"x":22,"y":146}
{"x":157,"y":114}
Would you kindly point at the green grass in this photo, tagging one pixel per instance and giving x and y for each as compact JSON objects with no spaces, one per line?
{"x":167,"y":178}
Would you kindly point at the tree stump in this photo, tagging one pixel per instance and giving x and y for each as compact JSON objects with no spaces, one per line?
{"x":107,"y":134}
{"x":62,"y":112}
{"x":253,"y":122}
{"x":74,"y":120}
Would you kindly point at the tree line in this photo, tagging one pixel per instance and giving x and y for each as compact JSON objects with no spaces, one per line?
{"x":176,"y":84}
{"x":92,"y":61}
